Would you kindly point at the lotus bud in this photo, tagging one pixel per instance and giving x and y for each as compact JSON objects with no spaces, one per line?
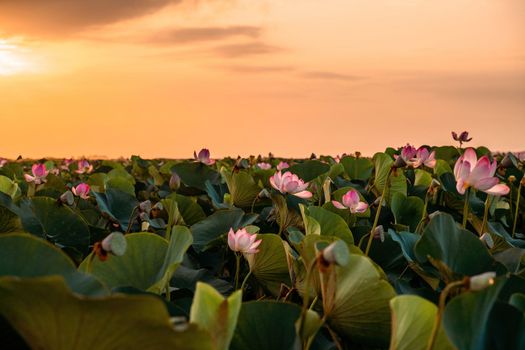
{"x":336,"y":253}
{"x":145,"y":207}
{"x":482,"y":281}
{"x":115,"y":244}
{"x":174,"y":181}
{"x":264,"y":194}
{"x":399,"y":163}
{"x":67,"y":198}
{"x":379,"y":232}
{"x":487,"y":239}
{"x":506,"y":162}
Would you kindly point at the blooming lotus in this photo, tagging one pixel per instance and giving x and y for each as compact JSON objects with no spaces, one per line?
{"x":39,"y":174}
{"x":203,"y":157}
{"x":351,"y":201}
{"x":84,"y":167}
{"x":81,"y":190}
{"x":290,"y":183}
{"x":471,"y":172}
{"x":264,"y":166}
{"x":282,"y":166}
{"x":243,"y":242}
{"x":423,"y":157}
{"x":463,"y":137}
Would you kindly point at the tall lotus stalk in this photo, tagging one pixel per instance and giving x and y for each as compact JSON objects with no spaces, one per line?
{"x":516,"y":210}
{"x":378,"y":212}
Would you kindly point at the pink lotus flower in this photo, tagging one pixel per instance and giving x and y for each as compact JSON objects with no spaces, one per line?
{"x":39,"y":174}
{"x":463,"y":137}
{"x":423,"y":157}
{"x":3,"y":162}
{"x":351,"y":201}
{"x":264,"y":166}
{"x":65,"y":165}
{"x":84,"y":167}
{"x":81,"y":190}
{"x":471,"y":172}
{"x":243,"y":242}
{"x":203,"y":157}
{"x":282,"y":166}
{"x":290,"y":183}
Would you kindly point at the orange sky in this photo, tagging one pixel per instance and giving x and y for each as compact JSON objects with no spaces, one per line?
{"x":161,"y":78}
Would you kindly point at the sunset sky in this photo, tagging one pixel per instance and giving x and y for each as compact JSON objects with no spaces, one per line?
{"x":160,"y":78}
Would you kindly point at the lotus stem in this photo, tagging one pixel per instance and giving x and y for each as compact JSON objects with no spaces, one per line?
{"x":424,"y":214}
{"x":89,"y":262}
{"x":485,"y":214}
{"x":168,"y":293}
{"x":516,"y":211}
{"x":442,"y":300}
{"x":237,"y":269}
{"x":466,"y":208}
{"x":245,"y":280}
{"x":306,"y":295}
{"x":376,"y":219}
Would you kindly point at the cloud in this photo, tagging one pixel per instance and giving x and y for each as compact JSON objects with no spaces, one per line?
{"x":246,"y":49}
{"x":257,"y":69}
{"x":60,"y":17}
{"x":190,"y":35}
{"x":330,"y":76}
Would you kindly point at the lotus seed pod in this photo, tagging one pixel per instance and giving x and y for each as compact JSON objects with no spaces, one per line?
{"x":482,"y":281}
{"x":512,"y":178}
{"x":144,"y":226}
{"x":115,"y":244}
{"x":506,"y":162}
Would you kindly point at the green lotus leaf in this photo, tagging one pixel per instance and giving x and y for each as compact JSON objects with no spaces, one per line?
{"x":308,"y":170}
{"x":217,"y":224}
{"x":330,"y":224}
{"x":396,"y":179}
{"x":48,"y":316}
{"x":407,"y":210}
{"x":361,"y":306}
{"x":270,"y":265}
{"x":242,"y":187}
{"x":460,"y":250}
{"x":45,"y":217}
{"x":478,"y":321}
{"x":196,"y":174}
{"x":148,"y":264}
{"x":189,"y":209}
{"x":358,"y":168}
{"x":215,"y":314}
{"x":24,"y":255}
{"x":266,"y":325}
{"x":413,"y":319}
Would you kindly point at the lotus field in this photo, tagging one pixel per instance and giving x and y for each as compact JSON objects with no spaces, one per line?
{"x":414,"y":248}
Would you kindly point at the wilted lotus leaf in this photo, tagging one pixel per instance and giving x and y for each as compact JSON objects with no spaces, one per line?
{"x":148,"y":263}
{"x":48,"y":316}
{"x":269,"y":265}
{"x":215,"y":314}
{"x":412,"y":321}
{"x":24,"y":255}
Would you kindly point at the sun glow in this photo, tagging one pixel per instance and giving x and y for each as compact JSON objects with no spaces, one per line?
{"x":13,"y":59}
